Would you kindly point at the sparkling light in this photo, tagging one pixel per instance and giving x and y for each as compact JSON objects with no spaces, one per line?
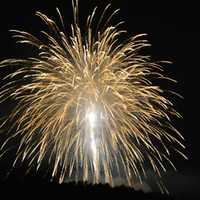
{"x":87,"y":103}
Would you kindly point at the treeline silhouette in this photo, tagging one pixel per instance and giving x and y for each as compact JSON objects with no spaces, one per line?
{"x":38,"y":185}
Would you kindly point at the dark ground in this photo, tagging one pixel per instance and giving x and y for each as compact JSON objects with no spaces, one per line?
{"x":33,"y":186}
{"x":173,"y":30}
{"x":38,"y":185}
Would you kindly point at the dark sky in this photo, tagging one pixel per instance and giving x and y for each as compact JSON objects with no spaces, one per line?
{"x":173,"y":31}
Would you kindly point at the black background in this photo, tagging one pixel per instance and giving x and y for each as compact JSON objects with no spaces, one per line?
{"x":173,"y":31}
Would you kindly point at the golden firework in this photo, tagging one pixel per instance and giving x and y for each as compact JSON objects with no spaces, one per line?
{"x":87,"y":103}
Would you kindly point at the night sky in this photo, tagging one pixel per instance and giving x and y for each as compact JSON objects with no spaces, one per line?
{"x":173,"y":31}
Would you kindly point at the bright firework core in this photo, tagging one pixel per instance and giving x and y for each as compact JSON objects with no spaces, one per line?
{"x":92,"y":120}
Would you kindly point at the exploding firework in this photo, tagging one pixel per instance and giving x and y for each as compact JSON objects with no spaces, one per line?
{"x":87,"y":104}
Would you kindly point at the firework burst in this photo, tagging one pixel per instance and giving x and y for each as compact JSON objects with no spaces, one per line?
{"x":87,"y":104}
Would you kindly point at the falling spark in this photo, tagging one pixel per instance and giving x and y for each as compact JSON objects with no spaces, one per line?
{"x":87,"y":103}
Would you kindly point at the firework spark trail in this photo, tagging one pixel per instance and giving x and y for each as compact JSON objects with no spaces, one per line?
{"x":86,"y":102}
